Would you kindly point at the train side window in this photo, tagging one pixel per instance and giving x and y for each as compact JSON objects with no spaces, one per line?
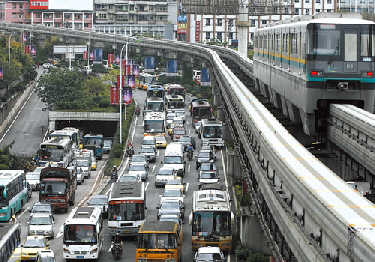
{"x":350,"y":47}
{"x":365,"y":44}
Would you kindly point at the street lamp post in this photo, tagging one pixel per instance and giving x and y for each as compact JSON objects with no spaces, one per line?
{"x":88,"y":53}
{"x":120,"y":102}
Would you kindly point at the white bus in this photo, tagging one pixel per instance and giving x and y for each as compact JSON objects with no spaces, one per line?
{"x":211,"y":219}
{"x":211,"y":132}
{"x":9,"y":240}
{"x":175,"y":101}
{"x":83,"y":237}
{"x":68,"y":132}
{"x":126,"y":208}
{"x":154,"y":124}
{"x":56,"y":151}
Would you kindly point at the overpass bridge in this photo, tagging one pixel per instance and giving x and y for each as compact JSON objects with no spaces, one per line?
{"x":306,"y":211}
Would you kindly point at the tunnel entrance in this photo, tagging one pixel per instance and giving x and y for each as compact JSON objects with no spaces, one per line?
{"x":107,"y":128}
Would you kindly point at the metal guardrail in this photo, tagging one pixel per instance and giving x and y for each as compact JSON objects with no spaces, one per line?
{"x":318,"y":215}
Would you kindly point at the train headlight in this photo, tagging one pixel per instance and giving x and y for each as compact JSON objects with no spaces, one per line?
{"x":370,"y":74}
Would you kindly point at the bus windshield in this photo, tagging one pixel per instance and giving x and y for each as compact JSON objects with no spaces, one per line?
{"x":53,"y":188}
{"x":176,"y":91}
{"x":176,"y":104}
{"x":212,"y":132}
{"x":126,"y":212}
{"x":153,"y":126}
{"x":97,"y":141}
{"x":80,"y":234}
{"x":212,"y":223}
{"x":202,"y":113}
{"x":2,"y":198}
{"x":82,"y":163}
{"x":155,"y":93}
{"x":51,"y":154}
{"x":157,"y":106}
{"x":157,"y":241}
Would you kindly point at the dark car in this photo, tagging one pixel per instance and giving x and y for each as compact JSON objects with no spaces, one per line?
{"x":204,"y":157}
{"x":186,"y":141}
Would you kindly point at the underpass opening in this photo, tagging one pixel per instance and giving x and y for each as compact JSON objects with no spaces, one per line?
{"x":107,"y":128}
{"x":322,"y":112}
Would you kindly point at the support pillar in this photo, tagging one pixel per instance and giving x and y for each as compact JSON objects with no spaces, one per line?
{"x":284,"y":106}
{"x":308,"y":122}
{"x":51,"y":125}
{"x":243,"y":27}
{"x":293,"y":112}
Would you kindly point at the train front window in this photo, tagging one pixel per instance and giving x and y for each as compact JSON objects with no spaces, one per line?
{"x":367,"y":43}
{"x":325,"y":42}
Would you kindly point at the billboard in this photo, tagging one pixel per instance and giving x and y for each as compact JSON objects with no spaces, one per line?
{"x":149,"y":64}
{"x":205,"y":77}
{"x":81,"y":5}
{"x":98,"y":54}
{"x":172,"y":67}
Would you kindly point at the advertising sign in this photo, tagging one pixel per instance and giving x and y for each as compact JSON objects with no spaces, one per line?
{"x":197,"y":31}
{"x":38,"y":4}
{"x":91,"y":55}
{"x":149,"y":64}
{"x":136,"y":70}
{"x":205,"y":77}
{"x":1,"y":73}
{"x":98,"y":54}
{"x":85,"y":55}
{"x":128,"y":95}
{"x":172,"y":67}
{"x":27,"y":49}
{"x":115,"y":95}
{"x":81,"y":5}
{"x":117,"y":60}
{"x":118,"y":81}
{"x":131,"y":81}
{"x":181,"y":24}
{"x":33,"y":51}
{"x":110,"y":59}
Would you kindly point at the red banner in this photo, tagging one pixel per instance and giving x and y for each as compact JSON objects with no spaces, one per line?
{"x":115,"y":94}
{"x":84,"y":55}
{"x":110,"y":59}
{"x":27,"y":49}
{"x":91,"y":55}
{"x":123,"y":65}
{"x":197,"y":31}
{"x":118,"y":81}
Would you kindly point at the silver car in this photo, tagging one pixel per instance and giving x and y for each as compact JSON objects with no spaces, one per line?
{"x":41,"y":224}
{"x":138,"y":169}
{"x":149,"y":153}
{"x":170,"y":208}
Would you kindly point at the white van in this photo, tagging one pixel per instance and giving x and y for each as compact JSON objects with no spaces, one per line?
{"x":174,"y":158}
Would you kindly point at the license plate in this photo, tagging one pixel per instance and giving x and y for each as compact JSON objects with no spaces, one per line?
{"x":80,"y":257}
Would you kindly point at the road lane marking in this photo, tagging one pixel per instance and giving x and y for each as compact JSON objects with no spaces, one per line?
{"x":187,"y":187}
{"x":147,"y":185}
{"x":60,"y":231}
{"x":94,"y":186}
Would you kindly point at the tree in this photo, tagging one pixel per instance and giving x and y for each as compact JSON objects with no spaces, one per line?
{"x":94,"y":86}
{"x":62,"y":89}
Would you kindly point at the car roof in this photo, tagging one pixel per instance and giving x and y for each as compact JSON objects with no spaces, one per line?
{"x":208,"y":250}
{"x":46,"y":253}
{"x":36,"y":237}
{"x":99,"y":196}
{"x":138,"y":155}
{"x":41,"y":204}
{"x":40,"y":214}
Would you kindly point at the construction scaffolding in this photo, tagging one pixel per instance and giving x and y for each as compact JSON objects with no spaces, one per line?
{"x":232,"y":7}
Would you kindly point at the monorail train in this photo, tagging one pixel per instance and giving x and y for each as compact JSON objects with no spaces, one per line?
{"x":304,"y":66}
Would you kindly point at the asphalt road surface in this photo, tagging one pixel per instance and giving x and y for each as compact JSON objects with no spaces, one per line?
{"x":28,"y":130}
{"x":94,"y":185}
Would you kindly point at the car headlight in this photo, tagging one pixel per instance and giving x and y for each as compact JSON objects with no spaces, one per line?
{"x":94,"y":250}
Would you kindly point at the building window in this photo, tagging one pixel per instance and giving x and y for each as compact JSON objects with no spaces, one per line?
{"x":21,"y":6}
{"x":208,"y":35}
{"x":38,"y":15}
{"x":14,"y":6}
{"x":317,"y":10}
{"x":307,"y":11}
{"x":219,"y":36}
{"x":252,"y":23}
{"x":230,"y":36}
{"x":230,"y":22}
{"x":208,"y":21}
{"x":219,"y":22}
{"x":329,"y":2}
{"x":296,"y":1}
{"x":264,"y":22}
{"x":317,"y":1}
{"x":307,"y":1}
{"x":296,"y":11}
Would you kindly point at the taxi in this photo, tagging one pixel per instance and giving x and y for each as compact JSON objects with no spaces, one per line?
{"x":93,"y":163}
{"x":175,"y":184}
{"x":31,"y":248}
{"x":161,"y":142}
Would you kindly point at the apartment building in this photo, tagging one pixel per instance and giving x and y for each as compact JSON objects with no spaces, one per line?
{"x":157,"y":18}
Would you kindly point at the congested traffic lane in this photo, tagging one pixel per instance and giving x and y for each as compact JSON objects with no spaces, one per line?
{"x":31,"y":125}
{"x":153,"y":193}
{"x":82,"y":193}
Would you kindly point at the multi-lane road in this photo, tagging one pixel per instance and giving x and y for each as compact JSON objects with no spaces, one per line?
{"x":27,"y":132}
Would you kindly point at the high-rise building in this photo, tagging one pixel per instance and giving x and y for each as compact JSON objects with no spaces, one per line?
{"x":156,"y":18}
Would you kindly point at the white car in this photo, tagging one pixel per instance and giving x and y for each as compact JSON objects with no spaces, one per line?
{"x":80,"y":178}
{"x":172,"y":195}
{"x":209,"y":254}
{"x":41,"y":224}
{"x":47,"y":65}
{"x":164,"y":174}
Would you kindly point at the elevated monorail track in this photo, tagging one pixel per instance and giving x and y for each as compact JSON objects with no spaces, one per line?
{"x":307,"y":212}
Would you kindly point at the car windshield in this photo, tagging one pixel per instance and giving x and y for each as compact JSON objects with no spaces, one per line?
{"x":98,"y":201}
{"x":203,"y":257}
{"x":47,"y":259}
{"x":129,"y":179}
{"x":137,"y":168}
{"x":107,"y":143}
{"x":41,"y":209}
{"x":38,"y":169}
{"x":172,"y":160}
{"x":160,"y":139}
{"x":34,"y":243}
{"x":207,"y":167}
{"x":147,"y":150}
{"x":166,"y":172}
{"x":170,"y":205}
{"x":208,"y":175}
{"x":138,"y":159}
{"x":82,"y":163}
{"x":204,"y":154}
{"x":32,"y":176}
{"x":40,"y":221}
{"x":52,"y":187}
{"x":172,"y":193}
{"x":179,"y":132}
{"x":185,"y":139}
{"x":149,"y":142}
